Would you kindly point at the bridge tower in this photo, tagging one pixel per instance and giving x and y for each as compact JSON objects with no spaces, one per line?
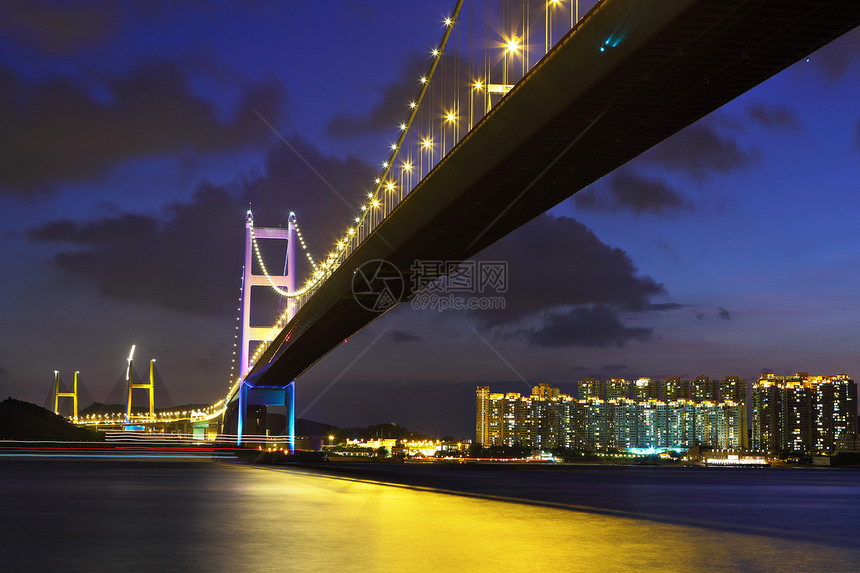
{"x":129,"y":376}
{"x":250,"y":279}
{"x":249,"y":394}
{"x":73,"y":394}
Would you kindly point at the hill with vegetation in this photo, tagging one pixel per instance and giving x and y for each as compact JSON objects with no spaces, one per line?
{"x":25,"y":421}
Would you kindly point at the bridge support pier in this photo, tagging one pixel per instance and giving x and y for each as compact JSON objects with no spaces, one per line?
{"x":268,"y":396}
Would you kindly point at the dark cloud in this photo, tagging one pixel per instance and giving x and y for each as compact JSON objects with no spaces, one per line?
{"x":570,"y":284}
{"x":646,"y":195}
{"x":773,"y":117}
{"x":664,"y":306}
{"x":836,"y":58}
{"x":60,"y":131}
{"x":598,"y":325}
{"x":56,"y":28}
{"x":628,"y":191}
{"x":700,"y":315}
{"x":699,"y":150}
{"x":555,"y":263}
{"x":148,"y":260}
{"x":403,"y":336}
{"x":724,"y":314}
{"x":559,"y":262}
{"x":189,"y":257}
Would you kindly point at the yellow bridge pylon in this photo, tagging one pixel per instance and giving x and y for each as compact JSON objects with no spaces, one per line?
{"x":73,"y":394}
{"x":129,"y":375}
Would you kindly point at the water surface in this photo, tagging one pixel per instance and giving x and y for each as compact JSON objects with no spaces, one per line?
{"x":182,"y":516}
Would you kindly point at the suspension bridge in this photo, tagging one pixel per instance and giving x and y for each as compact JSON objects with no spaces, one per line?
{"x":522,"y":105}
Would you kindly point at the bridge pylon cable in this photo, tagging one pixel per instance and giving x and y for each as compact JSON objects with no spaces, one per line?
{"x":259,"y":255}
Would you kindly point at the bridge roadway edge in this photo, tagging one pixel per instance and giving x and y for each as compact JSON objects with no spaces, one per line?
{"x":698,"y":56}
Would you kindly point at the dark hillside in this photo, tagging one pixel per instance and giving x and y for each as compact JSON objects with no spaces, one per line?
{"x":24,"y":421}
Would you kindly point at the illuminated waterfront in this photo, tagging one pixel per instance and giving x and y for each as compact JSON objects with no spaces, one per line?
{"x":217,"y":517}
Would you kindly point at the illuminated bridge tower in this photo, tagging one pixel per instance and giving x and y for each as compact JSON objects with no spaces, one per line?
{"x":250,"y":394}
{"x":250,"y":279}
{"x":73,"y":394}
{"x":132,"y":385}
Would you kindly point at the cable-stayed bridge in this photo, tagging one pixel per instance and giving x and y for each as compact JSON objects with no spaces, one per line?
{"x":522,"y":105}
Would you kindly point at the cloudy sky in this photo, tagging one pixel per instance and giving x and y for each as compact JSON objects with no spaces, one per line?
{"x":133,"y":143}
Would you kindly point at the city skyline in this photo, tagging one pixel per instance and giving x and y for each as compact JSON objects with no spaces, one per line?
{"x":728,"y":248}
{"x":789,"y":415}
{"x":549,"y":420}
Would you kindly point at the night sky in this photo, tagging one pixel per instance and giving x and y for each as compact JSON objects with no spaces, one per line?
{"x":134,"y":136}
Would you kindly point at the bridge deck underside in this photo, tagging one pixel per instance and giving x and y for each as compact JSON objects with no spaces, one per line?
{"x":577,"y":116}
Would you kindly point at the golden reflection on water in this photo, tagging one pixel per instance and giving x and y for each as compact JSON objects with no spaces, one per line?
{"x":283,"y":519}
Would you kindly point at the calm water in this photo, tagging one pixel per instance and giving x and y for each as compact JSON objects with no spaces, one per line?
{"x":182,"y":516}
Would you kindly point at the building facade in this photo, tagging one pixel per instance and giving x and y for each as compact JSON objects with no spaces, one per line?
{"x":547,"y":420}
{"x":482,"y":415}
{"x":617,"y":388}
{"x":803,"y":413}
{"x":590,"y":388}
{"x":673,"y":389}
{"x":646,"y":389}
{"x":733,"y":389}
{"x":703,"y":389}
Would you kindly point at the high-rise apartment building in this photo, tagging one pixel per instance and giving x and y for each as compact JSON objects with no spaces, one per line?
{"x":733,"y":389}
{"x":796,"y":417}
{"x":703,"y":389}
{"x":590,"y":388}
{"x":766,"y":405}
{"x":673,"y":389}
{"x":497,"y":430}
{"x":646,"y":389}
{"x":722,"y":425}
{"x":625,"y":423}
{"x":547,"y":419}
{"x":803,"y":413}
{"x":734,"y":425}
{"x":541,"y":420}
{"x":519,"y":419}
{"x":544,"y":392}
{"x":648,"y":423}
{"x":617,"y":388}
{"x":551,"y":422}
{"x":482,"y":415}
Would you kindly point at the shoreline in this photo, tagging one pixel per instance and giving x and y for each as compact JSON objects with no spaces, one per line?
{"x":21,"y":449}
